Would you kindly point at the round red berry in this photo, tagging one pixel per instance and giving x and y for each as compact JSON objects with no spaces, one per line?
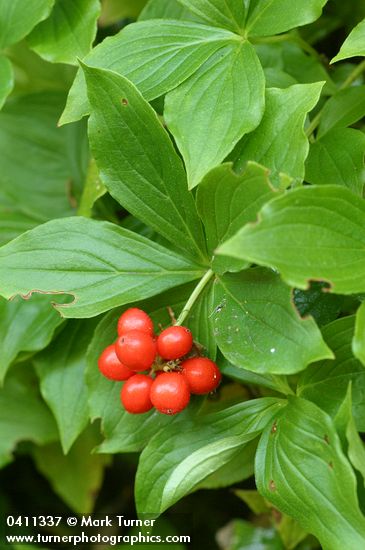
{"x":135,"y":394}
{"x":136,"y":349}
{"x":135,"y":319}
{"x":174,"y":342}
{"x":110,"y":366}
{"x":201,"y":374}
{"x":170,"y":393}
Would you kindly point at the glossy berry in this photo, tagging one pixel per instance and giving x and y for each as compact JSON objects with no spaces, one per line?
{"x":174,"y":342}
{"x":135,"y":394}
{"x":136,"y":349}
{"x":201,"y":374}
{"x":110,"y":366}
{"x":135,"y":319}
{"x":170,"y":393}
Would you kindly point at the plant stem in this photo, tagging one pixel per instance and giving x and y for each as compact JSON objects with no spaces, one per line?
{"x":282,"y":385}
{"x":349,"y":80}
{"x":93,"y":190}
{"x":272,"y":39}
{"x":353,"y":75}
{"x":194,"y":296}
{"x":287,"y":37}
{"x":314,"y":123}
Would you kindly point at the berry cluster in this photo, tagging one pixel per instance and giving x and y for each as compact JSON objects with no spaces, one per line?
{"x":175,"y":368}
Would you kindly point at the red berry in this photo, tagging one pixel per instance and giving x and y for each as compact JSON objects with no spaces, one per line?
{"x":135,"y":394}
{"x":136,"y":349}
{"x":110,"y":366}
{"x":201,"y":374}
{"x":174,"y":342}
{"x":135,"y":319}
{"x":170,"y":393}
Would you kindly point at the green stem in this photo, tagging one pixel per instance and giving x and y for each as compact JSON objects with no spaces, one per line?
{"x":282,"y":385}
{"x":194,"y":296}
{"x":272,"y":39}
{"x":287,"y":37}
{"x":349,"y":80}
{"x":314,"y":123}
{"x":353,"y":75}
{"x":305,"y":46}
{"x":93,"y":190}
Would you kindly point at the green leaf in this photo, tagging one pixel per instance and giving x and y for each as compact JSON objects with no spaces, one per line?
{"x":358,"y":342}
{"x":100,"y":264}
{"x":218,"y":13}
{"x":276,"y":78}
{"x":18,"y":17}
{"x":226,"y":201}
{"x":190,"y":471}
{"x":166,"y":9}
{"x":326,"y":383}
{"x":34,"y":74}
{"x":125,"y":432}
{"x":53,"y":169}
{"x":350,"y":439}
{"x":279,"y":143}
{"x":301,"y":469}
{"x":257,"y":327}
{"x":338,"y":158}
{"x":155,"y":55}
{"x":147,"y":176}
{"x":267,"y":17}
{"x":68,"y":33}
{"x":215,"y":107}
{"x":343,"y":109}
{"x":354,"y":44}
{"x":290,"y":532}
{"x":243,"y":535}
{"x":176,"y":461}
{"x":25,"y":326}
{"x":76,"y":477}
{"x":6,"y":79}
{"x":304,"y":68}
{"x":61,"y":372}
{"x":23,"y":414}
{"x":237,"y":467}
{"x":13,"y":219}
{"x":256,"y":502}
{"x":331,"y":248}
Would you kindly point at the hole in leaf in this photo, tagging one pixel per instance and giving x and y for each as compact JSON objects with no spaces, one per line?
{"x":318,"y":302}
